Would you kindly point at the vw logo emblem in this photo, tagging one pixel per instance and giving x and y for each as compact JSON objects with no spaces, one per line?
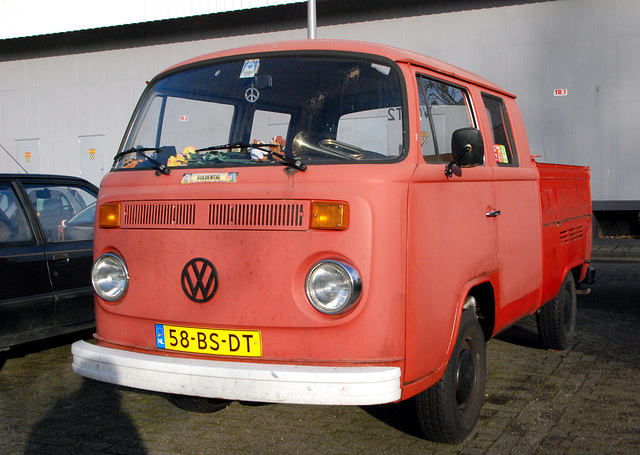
{"x":199,"y":280}
{"x":252,"y":94}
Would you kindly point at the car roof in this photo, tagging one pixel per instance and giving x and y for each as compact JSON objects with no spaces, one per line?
{"x":395,"y":54}
{"x":44,"y":177}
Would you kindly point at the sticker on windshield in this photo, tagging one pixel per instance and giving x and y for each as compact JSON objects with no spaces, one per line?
{"x":381,"y":68}
{"x":250,"y":68}
{"x":223,"y":177}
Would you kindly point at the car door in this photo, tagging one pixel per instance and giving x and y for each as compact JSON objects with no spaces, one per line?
{"x":26,"y":297}
{"x":69,"y":256}
{"x":451,"y":239}
{"x":518,"y":206}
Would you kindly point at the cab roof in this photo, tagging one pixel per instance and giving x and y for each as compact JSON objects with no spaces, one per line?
{"x":392,"y":53}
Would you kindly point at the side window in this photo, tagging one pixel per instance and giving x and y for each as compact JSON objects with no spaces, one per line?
{"x":65,"y":213}
{"x":503,"y":147}
{"x":14,"y":227}
{"x":444,"y":108}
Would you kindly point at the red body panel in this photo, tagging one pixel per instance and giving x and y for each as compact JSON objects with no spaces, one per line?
{"x":565,"y":194}
{"x":262,"y":273}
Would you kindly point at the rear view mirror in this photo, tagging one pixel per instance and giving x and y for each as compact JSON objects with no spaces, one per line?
{"x":43,"y":194}
{"x":467,"y":148}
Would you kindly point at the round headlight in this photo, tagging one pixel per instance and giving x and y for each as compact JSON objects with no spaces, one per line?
{"x":110,"y":277}
{"x":332,"y":287}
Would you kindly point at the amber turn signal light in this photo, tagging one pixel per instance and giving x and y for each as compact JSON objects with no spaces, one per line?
{"x":109,"y":216}
{"x":330,"y":215}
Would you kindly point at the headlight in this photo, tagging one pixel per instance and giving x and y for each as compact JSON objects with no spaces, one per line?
{"x":110,"y":277}
{"x":332,"y":287}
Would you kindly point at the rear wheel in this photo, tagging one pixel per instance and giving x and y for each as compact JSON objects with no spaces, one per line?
{"x":448,"y":411}
{"x":556,"y":320}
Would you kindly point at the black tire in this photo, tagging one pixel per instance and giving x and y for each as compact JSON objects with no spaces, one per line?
{"x":556,"y":320}
{"x":449,"y":410}
{"x":198,"y":404}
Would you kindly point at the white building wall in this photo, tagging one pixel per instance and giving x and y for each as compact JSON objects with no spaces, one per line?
{"x":21,"y":18}
{"x":588,"y":47}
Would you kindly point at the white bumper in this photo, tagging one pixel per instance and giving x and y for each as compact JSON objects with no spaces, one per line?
{"x":238,"y":380}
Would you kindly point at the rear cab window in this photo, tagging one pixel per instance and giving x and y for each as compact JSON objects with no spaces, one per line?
{"x":261,"y":110}
{"x":503,"y":145}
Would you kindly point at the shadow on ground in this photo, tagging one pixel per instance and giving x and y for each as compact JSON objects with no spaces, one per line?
{"x":89,"y":420}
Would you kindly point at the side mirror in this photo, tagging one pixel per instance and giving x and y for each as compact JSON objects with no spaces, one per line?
{"x":467,"y":148}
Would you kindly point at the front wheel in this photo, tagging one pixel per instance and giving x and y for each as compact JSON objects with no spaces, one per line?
{"x":449,"y":410}
{"x":556,"y":320}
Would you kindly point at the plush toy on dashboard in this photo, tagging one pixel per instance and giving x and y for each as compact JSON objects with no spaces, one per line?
{"x":182,"y":159}
{"x":130,"y":162}
{"x":266,"y":151}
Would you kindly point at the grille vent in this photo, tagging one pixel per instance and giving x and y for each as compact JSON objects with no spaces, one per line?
{"x":569,"y":235}
{"x":159,"y":214}
{"x":287,"y":215}
{"x":224,"y":214}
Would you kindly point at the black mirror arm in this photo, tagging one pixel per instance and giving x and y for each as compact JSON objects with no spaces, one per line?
{"x":448,"y":171}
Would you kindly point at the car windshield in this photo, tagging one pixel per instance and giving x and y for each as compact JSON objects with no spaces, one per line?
{"x":274,"y":110}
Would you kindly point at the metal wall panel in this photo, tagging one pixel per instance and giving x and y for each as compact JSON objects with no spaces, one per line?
{"x":91,"y":158}
{"x":28,"y":155}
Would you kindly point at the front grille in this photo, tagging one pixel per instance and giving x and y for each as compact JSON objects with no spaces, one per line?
{"x":287,"y":215}
{"x":226,"y":214}
{"x":145,"y":214}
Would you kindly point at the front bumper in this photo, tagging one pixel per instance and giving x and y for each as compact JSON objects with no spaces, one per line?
{"x":295,"y":384}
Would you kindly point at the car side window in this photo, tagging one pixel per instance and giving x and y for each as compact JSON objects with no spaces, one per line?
{"x":444,"y":108}
{"x":14,"y":226}
{"x":59,"y":211}
{"x":503,"y":145}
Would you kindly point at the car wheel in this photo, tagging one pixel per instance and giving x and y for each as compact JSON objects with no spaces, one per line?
{"x":556,"y":320}
{"x":449,"y":410}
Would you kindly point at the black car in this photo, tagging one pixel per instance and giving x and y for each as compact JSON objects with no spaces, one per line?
{"x":45,"y":265}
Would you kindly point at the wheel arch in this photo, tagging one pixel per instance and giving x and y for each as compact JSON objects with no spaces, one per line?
{"x":478,"y":294}
{"x":484,"y":305}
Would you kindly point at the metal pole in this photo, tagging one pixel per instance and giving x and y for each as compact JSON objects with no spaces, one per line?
{"x":311,"y":19}
{"x":11,"y":156}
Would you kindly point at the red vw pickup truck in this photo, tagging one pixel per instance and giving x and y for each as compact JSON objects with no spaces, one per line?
{"x":329,"y":222}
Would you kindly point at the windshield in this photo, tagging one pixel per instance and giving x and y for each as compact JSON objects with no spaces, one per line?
{"x":263,"y":111}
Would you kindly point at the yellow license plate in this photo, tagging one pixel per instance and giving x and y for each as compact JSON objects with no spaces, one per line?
{"x":240,"y":343}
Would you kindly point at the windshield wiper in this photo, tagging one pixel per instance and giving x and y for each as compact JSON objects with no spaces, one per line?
{"x":233,"y":145}
{"x":157,"y":165}
{"x":297,"y":164}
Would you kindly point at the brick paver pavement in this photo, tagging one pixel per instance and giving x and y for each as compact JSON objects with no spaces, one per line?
{"x":586,"y":400}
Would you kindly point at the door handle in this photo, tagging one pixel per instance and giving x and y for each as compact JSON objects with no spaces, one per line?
{"x":492,"y":213}
{"x":62,"y":258}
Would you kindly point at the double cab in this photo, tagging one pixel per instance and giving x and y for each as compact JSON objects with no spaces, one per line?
{"x":329,"y":222}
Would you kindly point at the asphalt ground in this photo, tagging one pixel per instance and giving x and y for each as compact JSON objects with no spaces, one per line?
{"x":582,"y":401}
